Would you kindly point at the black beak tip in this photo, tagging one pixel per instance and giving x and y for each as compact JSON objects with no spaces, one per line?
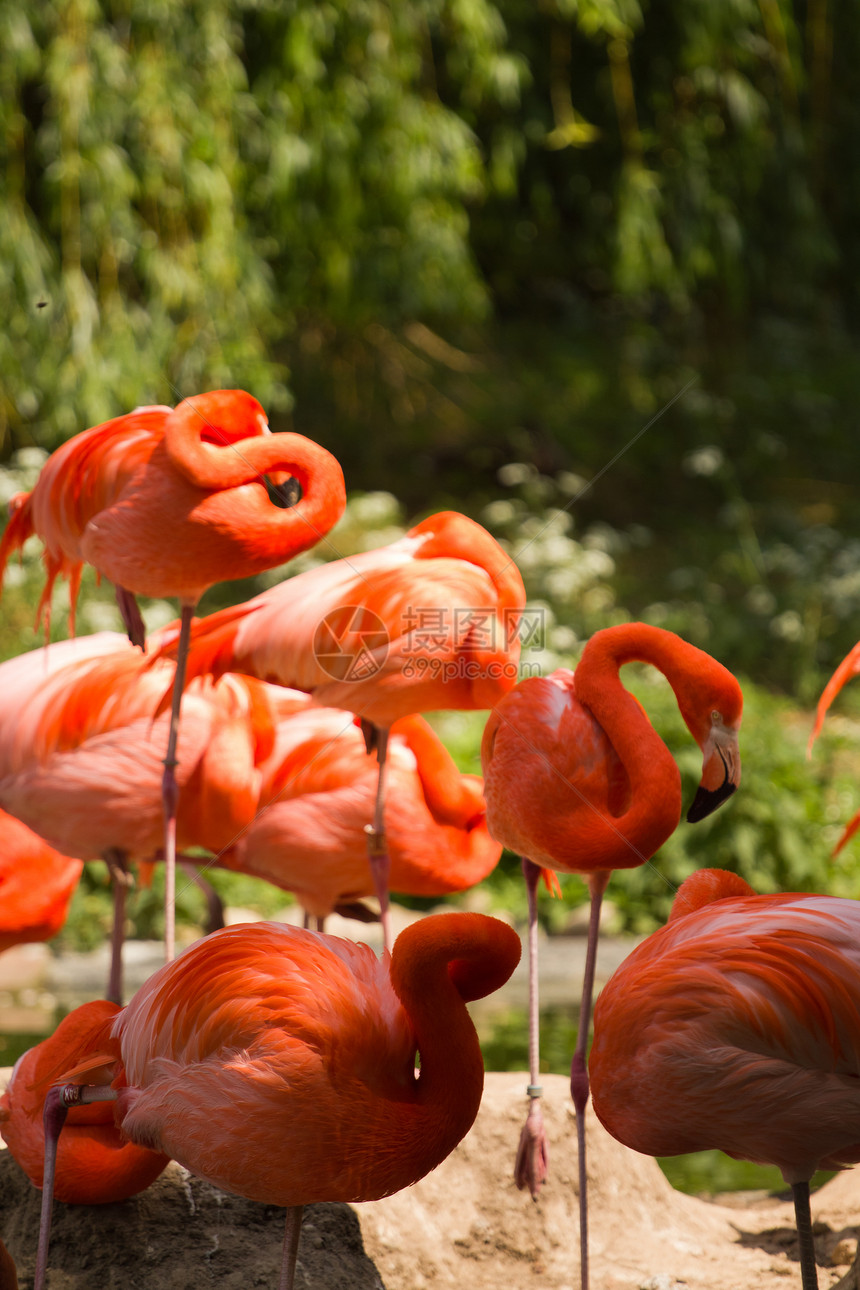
{"x":707,"y":800}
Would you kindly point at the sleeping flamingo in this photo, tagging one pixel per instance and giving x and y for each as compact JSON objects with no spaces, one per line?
{"x":427,"y":623}
{"x":577,"y":780}
{"x":81,"y":756}
{"x":736,"y":1026}
{"x":317,"y":794}
{"x":36,"y":885}
{"x":167,"y":502}
{"x":279,"y":1063}
{"x":95,"y":1165}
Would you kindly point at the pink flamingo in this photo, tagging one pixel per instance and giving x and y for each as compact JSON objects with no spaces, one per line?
{"x":427,"y":623}
{"x":167,"y":502}
{"x":81,"y":757}
{"x":735,"y":1026}
{"x":309,"y":835}
{"x":279,"y":1063}
{"x":577,"y":780}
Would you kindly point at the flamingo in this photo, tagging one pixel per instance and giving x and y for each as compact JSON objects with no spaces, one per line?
{"x":736,"y":1026}
{"x":80,"y":756}
{"x":279,"y":1063}
{"x":95,"y":1165}
{"x":36,"y":885}
{"x":427,"y":623}
{"x":576,"y":779}
{"x":317,"y":794}
{"x":848,"y":668}
{"x":167,"y":502}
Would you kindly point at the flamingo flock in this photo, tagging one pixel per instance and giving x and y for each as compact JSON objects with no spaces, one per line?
{"x":283,"y":738}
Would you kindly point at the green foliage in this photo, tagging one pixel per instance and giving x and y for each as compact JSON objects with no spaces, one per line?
{"x":182,"y":183}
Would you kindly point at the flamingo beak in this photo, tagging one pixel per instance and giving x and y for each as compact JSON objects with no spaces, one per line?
{"x":721,"y":771}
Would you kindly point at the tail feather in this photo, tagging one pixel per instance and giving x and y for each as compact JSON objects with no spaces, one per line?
{"x":19,"y":528}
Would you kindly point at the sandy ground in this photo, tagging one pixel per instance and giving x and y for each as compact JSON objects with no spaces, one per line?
{"x":464,"y":1225}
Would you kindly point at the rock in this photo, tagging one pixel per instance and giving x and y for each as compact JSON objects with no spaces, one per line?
{"x":180,"y":1232}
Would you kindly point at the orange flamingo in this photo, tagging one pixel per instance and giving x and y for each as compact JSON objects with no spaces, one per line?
{"x":848,"y":668}
{"x":95,"y":1165}
{"x":576,"y":779}
{"x":81,"y":757}
{"x":280,"y":1064}
{"x":167,"y":502}
{"x":429,"y":622}
{"x":735,"y":1026}
{"x":317,"y":795}
{"x":36,"y":885}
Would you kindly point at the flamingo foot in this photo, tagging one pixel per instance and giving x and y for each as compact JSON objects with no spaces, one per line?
{"x":532,"y":1162}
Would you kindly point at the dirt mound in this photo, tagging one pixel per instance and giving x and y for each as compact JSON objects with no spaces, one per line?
{"x":464,"y":1225}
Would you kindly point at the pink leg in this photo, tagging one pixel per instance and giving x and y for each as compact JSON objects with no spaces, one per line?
{"x":57,"y":1102}
{"x":579,"y":1087}
{"x":292,"y":1232}
{"x":530,"y":1168}
{"x":170,"y":788}
{"x":121,"y":881}
{"x":377,"y":848}
{"x":53,"y":1119}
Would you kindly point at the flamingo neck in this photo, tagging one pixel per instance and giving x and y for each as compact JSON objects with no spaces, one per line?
{"x":450,"y":534}
{"x":452,"y":798}
{"x":437,"y":965}
{"x":655,"y":781}
{"x":221,"y":440}
{"x":686,"y":668}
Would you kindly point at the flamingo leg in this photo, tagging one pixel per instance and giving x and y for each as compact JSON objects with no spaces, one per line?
{"x":57,"y":1102}
{"x":53,"y":1118}
{"x":292,"y":1232}
{"x":579,"y":1088}
{"x":170,"y":788}
{"x":121,"y":881}
{"x":530,"y":1168}
{"x":377,"y":847}
{"x":131,"y":617}
{"x":803,"y":1218}
{"x":214,"y":903}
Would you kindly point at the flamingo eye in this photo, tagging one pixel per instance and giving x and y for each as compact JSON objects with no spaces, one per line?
{"x":716,"y":716}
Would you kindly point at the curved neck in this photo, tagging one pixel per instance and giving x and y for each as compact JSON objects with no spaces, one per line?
{"x":655,"y":781}
{"x":450,"y":534}
{"x":452,"y":798}
{"x":437,"y":964}
{"x":685,"y":667}
{"x":221,"y":440}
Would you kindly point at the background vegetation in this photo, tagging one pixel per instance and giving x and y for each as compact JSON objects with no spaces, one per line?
{"x":586,"y":270}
